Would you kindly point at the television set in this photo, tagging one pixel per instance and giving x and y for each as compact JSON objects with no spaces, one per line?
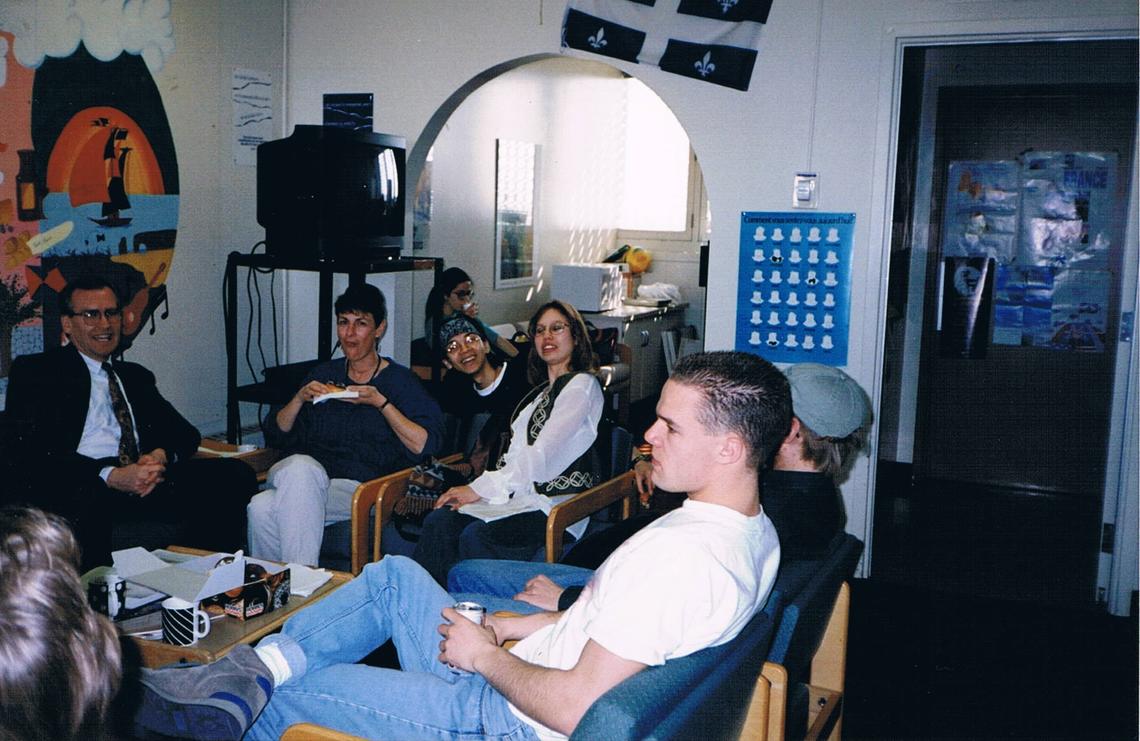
{"x":327,"y":193}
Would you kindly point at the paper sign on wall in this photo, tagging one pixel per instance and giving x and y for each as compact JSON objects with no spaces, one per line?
{"x":794,"y":286}
{"x":251,"y":94}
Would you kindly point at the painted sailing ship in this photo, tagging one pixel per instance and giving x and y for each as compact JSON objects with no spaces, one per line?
{"x":99,"y":175}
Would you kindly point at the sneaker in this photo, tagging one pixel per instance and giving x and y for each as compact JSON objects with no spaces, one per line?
{"x":213,"y":702}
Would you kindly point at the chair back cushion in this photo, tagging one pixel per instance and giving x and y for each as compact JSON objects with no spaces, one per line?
{"x":702,"y":695}
{"x":808,"y":607}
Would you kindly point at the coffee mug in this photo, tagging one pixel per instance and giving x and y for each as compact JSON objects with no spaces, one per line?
{"x":183,"y":623}
{"x":107,"y":594}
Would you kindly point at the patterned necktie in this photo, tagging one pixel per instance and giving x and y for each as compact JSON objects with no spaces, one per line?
{"x":128,"y":447}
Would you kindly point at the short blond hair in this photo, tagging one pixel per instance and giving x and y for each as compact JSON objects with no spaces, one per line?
{"x":831,"y":456}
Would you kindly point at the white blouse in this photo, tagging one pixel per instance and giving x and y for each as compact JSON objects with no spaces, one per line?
{"x":569,"y":432}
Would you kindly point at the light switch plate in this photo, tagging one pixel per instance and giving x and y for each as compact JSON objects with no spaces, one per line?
{"x":805,"y":190}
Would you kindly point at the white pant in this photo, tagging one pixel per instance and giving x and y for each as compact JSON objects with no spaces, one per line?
{"x":287,"y":521}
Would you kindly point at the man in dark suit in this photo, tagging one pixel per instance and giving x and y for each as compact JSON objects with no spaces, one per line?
{"x":97,"y":443}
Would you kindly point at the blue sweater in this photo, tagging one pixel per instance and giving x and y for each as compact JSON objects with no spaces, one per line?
{"x":355,"y":441}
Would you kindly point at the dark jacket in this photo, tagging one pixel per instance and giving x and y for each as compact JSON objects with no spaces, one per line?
{"x":48,"y":395}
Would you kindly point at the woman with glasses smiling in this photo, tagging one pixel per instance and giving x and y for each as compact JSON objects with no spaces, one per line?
{"x":452,"y":296}
{"x":553,"y":454}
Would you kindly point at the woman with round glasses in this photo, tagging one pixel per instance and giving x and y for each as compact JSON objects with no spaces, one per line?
{"x":452,"y":296}
{"x":554,"y":453}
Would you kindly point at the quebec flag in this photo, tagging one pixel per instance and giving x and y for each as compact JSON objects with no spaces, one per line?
{"x":711,"y":40}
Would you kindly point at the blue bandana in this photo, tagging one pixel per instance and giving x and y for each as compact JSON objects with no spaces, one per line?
{"x":459,"y":324}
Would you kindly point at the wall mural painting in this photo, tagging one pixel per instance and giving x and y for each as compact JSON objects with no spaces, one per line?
{"x":88,"y":173}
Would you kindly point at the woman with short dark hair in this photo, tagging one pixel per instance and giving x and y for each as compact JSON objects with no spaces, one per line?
{"x":353,"y":419}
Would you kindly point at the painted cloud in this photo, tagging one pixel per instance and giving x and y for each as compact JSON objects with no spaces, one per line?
{"x":54,"y":28}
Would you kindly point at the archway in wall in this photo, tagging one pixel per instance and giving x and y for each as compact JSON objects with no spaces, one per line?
{"x":580,"y":116}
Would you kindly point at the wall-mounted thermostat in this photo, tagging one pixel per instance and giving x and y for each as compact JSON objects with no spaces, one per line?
{"x":805,"y":190}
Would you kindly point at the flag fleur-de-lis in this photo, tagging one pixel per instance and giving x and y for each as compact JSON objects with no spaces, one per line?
{"x":598,"y":40}
{"x":705,"y":67}
{"x":727,"y":5}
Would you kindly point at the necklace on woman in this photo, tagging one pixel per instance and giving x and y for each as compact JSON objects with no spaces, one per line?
{"x":375,"y":371}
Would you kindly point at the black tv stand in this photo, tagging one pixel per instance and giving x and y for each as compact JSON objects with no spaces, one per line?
{"x":269,"y":392}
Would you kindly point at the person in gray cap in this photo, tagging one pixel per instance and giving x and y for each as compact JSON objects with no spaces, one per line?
{"x":830,"y":418}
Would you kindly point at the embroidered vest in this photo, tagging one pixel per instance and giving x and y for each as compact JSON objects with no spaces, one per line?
{"x":583,"y":473}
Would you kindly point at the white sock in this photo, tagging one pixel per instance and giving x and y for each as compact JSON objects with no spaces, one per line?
{"x":272,"y":657}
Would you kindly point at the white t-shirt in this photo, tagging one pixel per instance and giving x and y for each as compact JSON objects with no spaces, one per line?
{"x":690,"y":580}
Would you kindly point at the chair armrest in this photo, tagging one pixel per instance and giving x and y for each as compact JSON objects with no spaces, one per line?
{"x":825,"y":690}
{"x":363,"y":500}
{"x":829,"y":665}
{"x":313,"y":732}
{"x":390,"y":490}
{"x":758,"y":722}
{"x":767,"y":711}
{"x":566,"y":513}
{"x":508,"y":613}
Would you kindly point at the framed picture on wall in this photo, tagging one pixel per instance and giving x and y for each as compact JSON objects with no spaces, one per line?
{"x":516,"y":179}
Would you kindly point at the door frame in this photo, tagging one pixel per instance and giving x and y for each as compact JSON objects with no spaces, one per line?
{"x":1117,"y":573}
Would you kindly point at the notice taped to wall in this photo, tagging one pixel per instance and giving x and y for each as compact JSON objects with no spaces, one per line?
{"x":794,"y":286}
{"x":251,"y":94}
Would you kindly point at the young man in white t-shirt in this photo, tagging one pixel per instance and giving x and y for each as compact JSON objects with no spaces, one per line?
{"x":690,"y":580}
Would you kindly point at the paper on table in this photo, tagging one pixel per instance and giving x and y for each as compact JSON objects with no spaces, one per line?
{"x":134,"y":561}
{"x":304,"y":580}
{"x":138,"y":595}
{"x":336,"y":395}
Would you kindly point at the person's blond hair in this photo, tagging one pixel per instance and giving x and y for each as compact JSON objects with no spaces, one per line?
{"x":831,"y":456}
{"x":60,"y":661}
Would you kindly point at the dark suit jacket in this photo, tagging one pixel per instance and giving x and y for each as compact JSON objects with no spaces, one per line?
{"x":48,"y":394}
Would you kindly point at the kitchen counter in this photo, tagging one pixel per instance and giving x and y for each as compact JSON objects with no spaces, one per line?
{"x":640,"y":328}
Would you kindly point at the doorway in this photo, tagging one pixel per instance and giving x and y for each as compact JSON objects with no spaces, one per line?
{"x":584,"y":118}
{"x":993,"y":460}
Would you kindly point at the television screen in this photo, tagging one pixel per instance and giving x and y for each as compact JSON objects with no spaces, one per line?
{"x":327,"y":193}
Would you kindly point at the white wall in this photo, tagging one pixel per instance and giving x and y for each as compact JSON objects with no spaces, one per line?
{"x":414,"y":54}
{"x":571,"y":109}
{"x":217,"y":203}
{"x":575,"y":110}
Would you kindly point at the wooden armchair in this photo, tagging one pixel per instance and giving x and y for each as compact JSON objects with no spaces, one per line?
{"x":767,"y":717}
{"x":800,"y":691}
{"x":565,"y":514}
{"x":382,"y":494}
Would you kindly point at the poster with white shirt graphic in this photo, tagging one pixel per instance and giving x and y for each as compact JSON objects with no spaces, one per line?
{"x":794,"y":288}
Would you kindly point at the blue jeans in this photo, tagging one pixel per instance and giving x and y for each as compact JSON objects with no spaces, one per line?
{"x":493,"y":583}
{"x":393,"y":598}
{"x":449,"y":537}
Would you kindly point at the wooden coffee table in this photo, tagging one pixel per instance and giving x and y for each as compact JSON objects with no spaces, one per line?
{"x":227,"y":632}
{"x":259,"y":459}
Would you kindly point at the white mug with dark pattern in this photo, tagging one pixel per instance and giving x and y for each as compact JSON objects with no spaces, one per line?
{"x":183,"y":622}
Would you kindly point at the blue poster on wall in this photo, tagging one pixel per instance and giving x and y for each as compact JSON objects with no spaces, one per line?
{"x":794,"y":289}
